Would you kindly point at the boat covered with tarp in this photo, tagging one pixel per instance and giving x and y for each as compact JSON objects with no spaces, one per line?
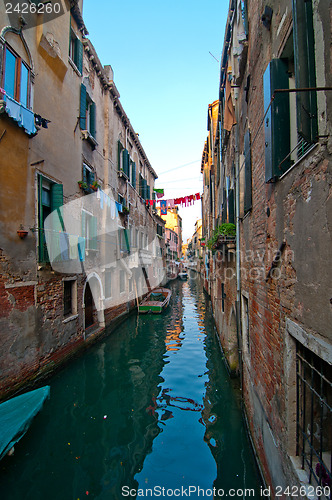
{"x":156,"y":301}
{"x":16,"y":415}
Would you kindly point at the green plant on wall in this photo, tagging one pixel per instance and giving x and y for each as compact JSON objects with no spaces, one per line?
{"x":225,"y":229}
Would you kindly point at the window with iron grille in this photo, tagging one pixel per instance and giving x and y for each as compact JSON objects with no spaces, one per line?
{"x":314,"y":418}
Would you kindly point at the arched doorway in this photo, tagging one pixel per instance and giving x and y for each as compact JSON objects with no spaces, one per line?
{"x":93,"y":302}
{"x":88,"y":306}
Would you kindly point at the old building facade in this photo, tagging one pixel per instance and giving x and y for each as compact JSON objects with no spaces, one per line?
{"x":271,"y":177}
{"x":78,"y":245}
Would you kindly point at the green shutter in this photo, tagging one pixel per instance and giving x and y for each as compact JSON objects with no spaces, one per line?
{"x":93,"y":119}
{"x":247,"y":173}
{"x":41,"y":235}
{"x":148,"y":192}
{"x":78,"y":56}
{"x":305,"y":74}
{"x":85,"y":172}
{"x":83,"y":107}
{"x":145,"y":189}
{"x":93,"y":233}
{"x":125,"y":160}
{"x":120,"y":148}
{"x":133,"y":174}
{"x":277,"y":120}
{"x":141,"y":185}
{"x":127,"y":239}
{"x":56,"y":204}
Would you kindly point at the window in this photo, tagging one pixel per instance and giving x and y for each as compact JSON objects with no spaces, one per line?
{"x":124,"y":240}
{"x":291,"y":125}
{"x":16,"y":77}
{"x":131,"y":284}
{"x":122,"y":282}
{"x":89,"y":231}
{"x":314,"y":417}
{"x":133,"y":173}
{"x":88,"y":177}
{"x":50,"y":198}
{"x":69,"y":297}
{"x":87,"y":112}
{"x":123,"y":160}
{"x":76,"y":50}
{"x":108,"y":282}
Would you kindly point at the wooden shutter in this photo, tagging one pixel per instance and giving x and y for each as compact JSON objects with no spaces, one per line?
{"x":125,"y":159}
{"x":83,"y":107}
{"x":120,"y":148}
{"x":305,"y":74}
{"x":247,"y":173}
{"x":93,"y":233}
{"x":148,"y":196}
{"x":78,"y":55}
{"x":56,"y":204}
{"x":93,"y":119}
{"x":127,"y":239}
{"x":133,"y":174}
{"x":277,"y":120}
{"x":41,"y":235}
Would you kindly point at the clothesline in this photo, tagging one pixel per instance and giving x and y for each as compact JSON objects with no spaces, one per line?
{"x":172,"y":203}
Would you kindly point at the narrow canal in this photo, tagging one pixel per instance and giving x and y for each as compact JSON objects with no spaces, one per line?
{"x":150,"y":407}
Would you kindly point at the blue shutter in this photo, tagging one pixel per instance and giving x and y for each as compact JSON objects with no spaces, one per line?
{"x":83,"y":107}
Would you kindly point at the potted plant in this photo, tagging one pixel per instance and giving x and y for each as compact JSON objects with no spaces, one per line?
{"x":83,"y":185}
{"x":95,"y":185}
{"x":125,"y":210}
{"x":222,"y":234}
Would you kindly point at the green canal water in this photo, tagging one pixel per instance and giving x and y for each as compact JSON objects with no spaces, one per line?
{"x":150,"y":407}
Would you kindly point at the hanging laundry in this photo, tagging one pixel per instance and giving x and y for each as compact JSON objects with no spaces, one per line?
{"x":81,"y":248}
{"x":73,"y":247}
{"x":64,"y":245}
{"x":163,"y":207}
{"x":159,"y":192}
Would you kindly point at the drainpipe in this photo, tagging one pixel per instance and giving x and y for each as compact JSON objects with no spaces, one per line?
{"x":237,"y":219}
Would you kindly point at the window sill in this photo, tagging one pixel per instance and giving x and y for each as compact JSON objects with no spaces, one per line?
{"x":314,"y":146}
{"x":70,"y":318}
{"x":75,"y":68}
{"x":89,"y":138}
{"x":122,"y":174}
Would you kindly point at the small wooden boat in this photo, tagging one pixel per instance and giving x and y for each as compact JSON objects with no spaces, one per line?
{"x":183,"y":275}
{"x":16,"y":415}
{"x":156,"y":301}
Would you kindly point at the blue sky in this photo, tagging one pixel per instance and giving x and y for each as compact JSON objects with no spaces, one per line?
{"x":159,"y":52}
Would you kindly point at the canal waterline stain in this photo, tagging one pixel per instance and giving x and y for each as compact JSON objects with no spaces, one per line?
{"x":151,"y":406}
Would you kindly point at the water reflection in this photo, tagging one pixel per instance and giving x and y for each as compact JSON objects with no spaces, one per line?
{"x":151,"y":405}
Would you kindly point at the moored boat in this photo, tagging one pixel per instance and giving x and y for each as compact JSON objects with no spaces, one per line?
{"x":183,"y":275}
{"x":156,"y":301}
{"x":16,"y":415}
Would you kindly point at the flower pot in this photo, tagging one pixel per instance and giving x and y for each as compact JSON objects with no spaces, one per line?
{"x":22,"y":233}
